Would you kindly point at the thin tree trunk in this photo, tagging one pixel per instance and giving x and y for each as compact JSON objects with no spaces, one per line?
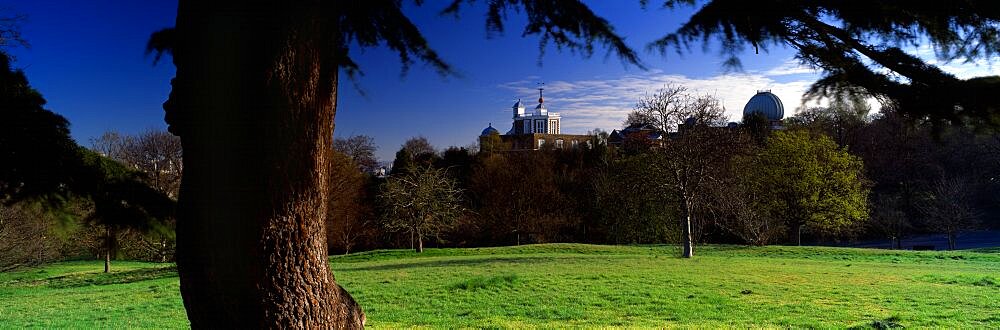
{"x":109,"y":246}
{"x":686,"y":232}
{"x":951,"y":241}
{"x":420,"y":244}
{"x":253,"y":101}
{"x":798,"y":234}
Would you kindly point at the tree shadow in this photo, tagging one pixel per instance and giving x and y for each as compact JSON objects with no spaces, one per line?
{"x":94,"y":279}
{"x":472,"y":261}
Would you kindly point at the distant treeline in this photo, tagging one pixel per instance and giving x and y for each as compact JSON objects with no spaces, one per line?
{"x":831,"y":174}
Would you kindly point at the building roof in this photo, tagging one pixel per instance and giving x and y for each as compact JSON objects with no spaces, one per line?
{"x":489,"y":130}
{"x":767,"y":104}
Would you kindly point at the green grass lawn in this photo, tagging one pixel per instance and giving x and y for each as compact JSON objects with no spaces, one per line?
{"x":568,"y":285}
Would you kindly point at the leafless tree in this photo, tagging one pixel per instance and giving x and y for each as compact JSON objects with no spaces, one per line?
{"x":158,"y":155}
{"x":360,"y":149}
{"x":949,"y":208}
{"x":738,"y":211}
{"x":350,"y":216}
{"x":693,"y":161}
{"x":10,"y":30}
{"x":24,"y":238}
{"x":889,"y":218}
{"x":673,"y":105}
{"x":424,"y":202}
{"x":418,"y":146}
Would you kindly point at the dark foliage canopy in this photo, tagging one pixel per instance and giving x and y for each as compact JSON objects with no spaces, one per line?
{"x":570,"y":24}
{"x":41,"y":162}
{"x":863,"y":47}
{"x":35,"y":146}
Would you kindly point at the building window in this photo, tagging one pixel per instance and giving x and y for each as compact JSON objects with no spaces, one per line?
{"x":553,"y":127}
{"x":541,"y":142}
{"x":559,"y":143}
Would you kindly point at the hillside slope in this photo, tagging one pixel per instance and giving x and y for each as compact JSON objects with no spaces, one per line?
{"x":569,"y":285}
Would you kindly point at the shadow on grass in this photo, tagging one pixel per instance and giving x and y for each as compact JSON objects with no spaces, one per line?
{"x":889,"y":323}
{"x":450,"y":263}
{"x":480,"y":282}
{"x":89,"y":279}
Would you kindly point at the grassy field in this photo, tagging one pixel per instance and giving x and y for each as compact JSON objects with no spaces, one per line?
{"x":569,"y":285}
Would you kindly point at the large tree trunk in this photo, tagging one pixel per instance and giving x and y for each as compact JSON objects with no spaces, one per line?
{"x":253,"y":102}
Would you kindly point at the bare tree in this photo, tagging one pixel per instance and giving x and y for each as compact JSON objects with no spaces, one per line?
{"x":692,"y":162}
{"x":10,"y":30}
{"x":888,"y":217}
{"x":948,"y":207}
{"x":360,"y":149}
{"x":739,"y":212}
{"x":156,"y":153}
{"x":24,"y":237}
{"x":350,"y":217}
{"x":424,"y":202}
{"x":418,"y":146}
{"x":159,"y":156}
{"x":673,"y":105}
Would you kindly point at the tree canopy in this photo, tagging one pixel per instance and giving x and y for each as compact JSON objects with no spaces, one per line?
{"x":569,"y":24}
{"x":35,"y":147}
{"x":810,"y":182}
{"x":864,"y":47}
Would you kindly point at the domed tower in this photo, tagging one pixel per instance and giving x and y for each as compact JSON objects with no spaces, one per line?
{"x":767,"y":104}
{"x":489,"y":130}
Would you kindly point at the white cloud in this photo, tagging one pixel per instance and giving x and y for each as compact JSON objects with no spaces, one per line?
{"x":604,"y":103}
{"x":790,"y":67}
{"x":960,"y":68}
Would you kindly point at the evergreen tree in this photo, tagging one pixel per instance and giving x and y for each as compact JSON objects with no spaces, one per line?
{"x":859,"y":47}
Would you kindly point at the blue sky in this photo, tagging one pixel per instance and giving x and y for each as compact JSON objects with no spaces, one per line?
{"x":87,"y":59}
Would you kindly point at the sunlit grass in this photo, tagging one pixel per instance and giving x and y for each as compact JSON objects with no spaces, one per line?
{"x":570,"y":285}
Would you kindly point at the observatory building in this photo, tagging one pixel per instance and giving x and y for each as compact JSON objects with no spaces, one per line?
{"x":535,"y":130}
{"x":768,"y":105}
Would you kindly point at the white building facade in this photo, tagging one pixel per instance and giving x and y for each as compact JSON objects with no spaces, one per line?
{"x":541,"y":121}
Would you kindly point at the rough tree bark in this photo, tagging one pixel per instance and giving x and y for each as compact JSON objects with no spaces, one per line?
{"x":253,"y":102}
